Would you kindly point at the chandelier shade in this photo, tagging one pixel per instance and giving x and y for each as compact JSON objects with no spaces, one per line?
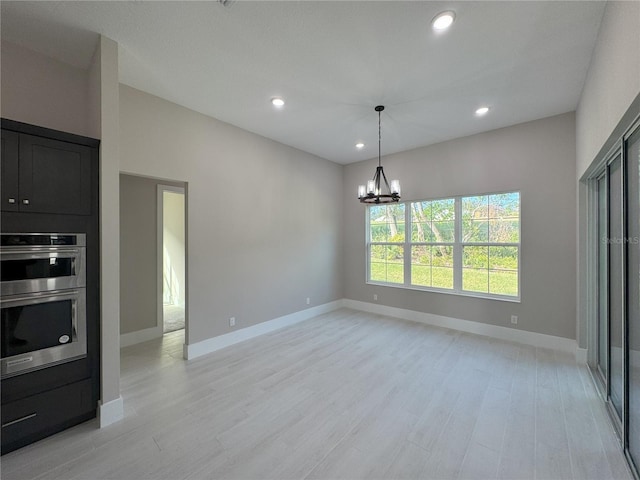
{"x":378,"y":189}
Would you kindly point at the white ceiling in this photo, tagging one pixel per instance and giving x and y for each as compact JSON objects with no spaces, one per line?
{"x":333,"y":62}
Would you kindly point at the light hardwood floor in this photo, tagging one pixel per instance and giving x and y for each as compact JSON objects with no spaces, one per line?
{"x":344,"y":395}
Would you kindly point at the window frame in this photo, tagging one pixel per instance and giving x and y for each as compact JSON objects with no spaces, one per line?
{"x":458,"y":248}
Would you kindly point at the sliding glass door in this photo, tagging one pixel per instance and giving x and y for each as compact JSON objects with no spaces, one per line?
{"x":603,"y":282}
{"x":616,"y":285}
{"x":610,"y":284}
{"x":632,"y":159}
{"x":616,"y":222}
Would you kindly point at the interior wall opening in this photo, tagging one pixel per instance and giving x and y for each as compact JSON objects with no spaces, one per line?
{"x":173,"y":259}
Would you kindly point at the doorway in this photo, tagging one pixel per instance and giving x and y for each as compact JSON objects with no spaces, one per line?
{"x":172,"y":293}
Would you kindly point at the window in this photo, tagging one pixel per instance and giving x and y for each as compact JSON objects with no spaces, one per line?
{"x":432,"y":237}
{"x":490,"y":243}
{"x":465,"y":245}
{"x":386,"y":243}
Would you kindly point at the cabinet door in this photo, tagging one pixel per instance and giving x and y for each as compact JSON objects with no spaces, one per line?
{"x":32,"y":418}
{"x":9,"y":171}
{"x":55,"y":176}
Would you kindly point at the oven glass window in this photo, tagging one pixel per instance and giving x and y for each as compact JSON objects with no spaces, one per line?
{"x":33,"y":327}
{"x":30,"y":269}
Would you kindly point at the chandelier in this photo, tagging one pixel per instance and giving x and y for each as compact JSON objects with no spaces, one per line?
{"x":373,"y":192}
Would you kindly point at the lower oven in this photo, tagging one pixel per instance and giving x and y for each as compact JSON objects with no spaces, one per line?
{"x":42,"y":329}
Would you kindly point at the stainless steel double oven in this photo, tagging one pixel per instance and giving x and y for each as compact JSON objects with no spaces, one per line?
{"x":42,"y":300}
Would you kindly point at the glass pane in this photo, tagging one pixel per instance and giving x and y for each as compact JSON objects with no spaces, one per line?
{"x":32,"y":269}
{"x":475,"y":219}
{"x":504,"y":230}
{"x":443,"y":231}
{"x":475,"y":269}
{"x":602,"y":277}
{"x":386,"y":223}
{"x":386,"y":263}
{"x":633,"y":292}
{"x":443,"y":209}
{"x":442,"y":266}
{"x":615,"y":285}
{"x":433,"y":221}
{"x":503,"y":270}
{"x":504,"y":218}
{"x":421,"y":265}
{"x":504,"y":205}
{"x":33,"y":327}
{"x":421,"y":212}
{"x":421,"y":232}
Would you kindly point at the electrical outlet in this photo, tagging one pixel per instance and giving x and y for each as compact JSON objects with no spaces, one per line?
{"x":514,"y":319}
{"x":308,"y":301}
{"x":375,"y":296}
{"x":232,"y":322}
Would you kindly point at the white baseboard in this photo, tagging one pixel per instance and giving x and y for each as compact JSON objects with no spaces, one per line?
{"x":132,"y":338}
{"x":581,"y":355}
{"x":495,"y":331}
{"x":110,"y":412}
{"x":210,"y":345}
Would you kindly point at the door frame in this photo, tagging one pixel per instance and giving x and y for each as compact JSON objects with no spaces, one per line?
{"x":161,"y":188}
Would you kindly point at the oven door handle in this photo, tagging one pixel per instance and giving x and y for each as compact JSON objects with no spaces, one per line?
{"x":35,"y":254}
{"x":61,"y":294}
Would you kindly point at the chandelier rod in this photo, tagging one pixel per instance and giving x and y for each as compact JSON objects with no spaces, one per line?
{"x":379,"y":138}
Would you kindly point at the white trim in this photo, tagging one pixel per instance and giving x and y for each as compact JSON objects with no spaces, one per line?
{"x":495,"y":331}
{"x":133,"y":338}
{"x":110,"y":412}
{"x":210,"y":345}
{"x":581,"y":355}
{"x":504,"y":333}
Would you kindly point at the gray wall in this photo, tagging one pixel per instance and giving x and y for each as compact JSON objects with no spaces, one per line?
{"x":40,"y":90}
{"x":264,"y":220}
{"x":613,"y":80}
{"x":536,"y":158}
{"x":138,"y":252}
{"x":612,"y":84}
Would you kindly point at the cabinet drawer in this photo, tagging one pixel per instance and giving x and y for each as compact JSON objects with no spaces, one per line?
{"x":32,"y":418}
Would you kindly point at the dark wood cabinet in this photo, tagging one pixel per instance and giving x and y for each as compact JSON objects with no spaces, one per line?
{"x":10,"y":170}
{"x":43,"y":175}
{"x":57,"y":173}
{"x":45,"y":413}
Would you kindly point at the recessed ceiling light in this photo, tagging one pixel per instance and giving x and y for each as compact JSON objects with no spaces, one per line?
{"x":277,"y":102}
{"x":482,"y":111}
{"x":359,"y":145}
{"x":443,"y":20}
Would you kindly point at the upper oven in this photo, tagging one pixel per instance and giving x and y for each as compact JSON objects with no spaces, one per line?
{"x":41,"y":262}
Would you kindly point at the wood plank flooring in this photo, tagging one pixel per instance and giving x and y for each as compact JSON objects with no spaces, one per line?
{"x":344,"y":395}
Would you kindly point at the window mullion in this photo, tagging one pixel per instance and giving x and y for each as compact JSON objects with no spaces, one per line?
{"x":457,"y":246}
{"x":407,"y":243}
